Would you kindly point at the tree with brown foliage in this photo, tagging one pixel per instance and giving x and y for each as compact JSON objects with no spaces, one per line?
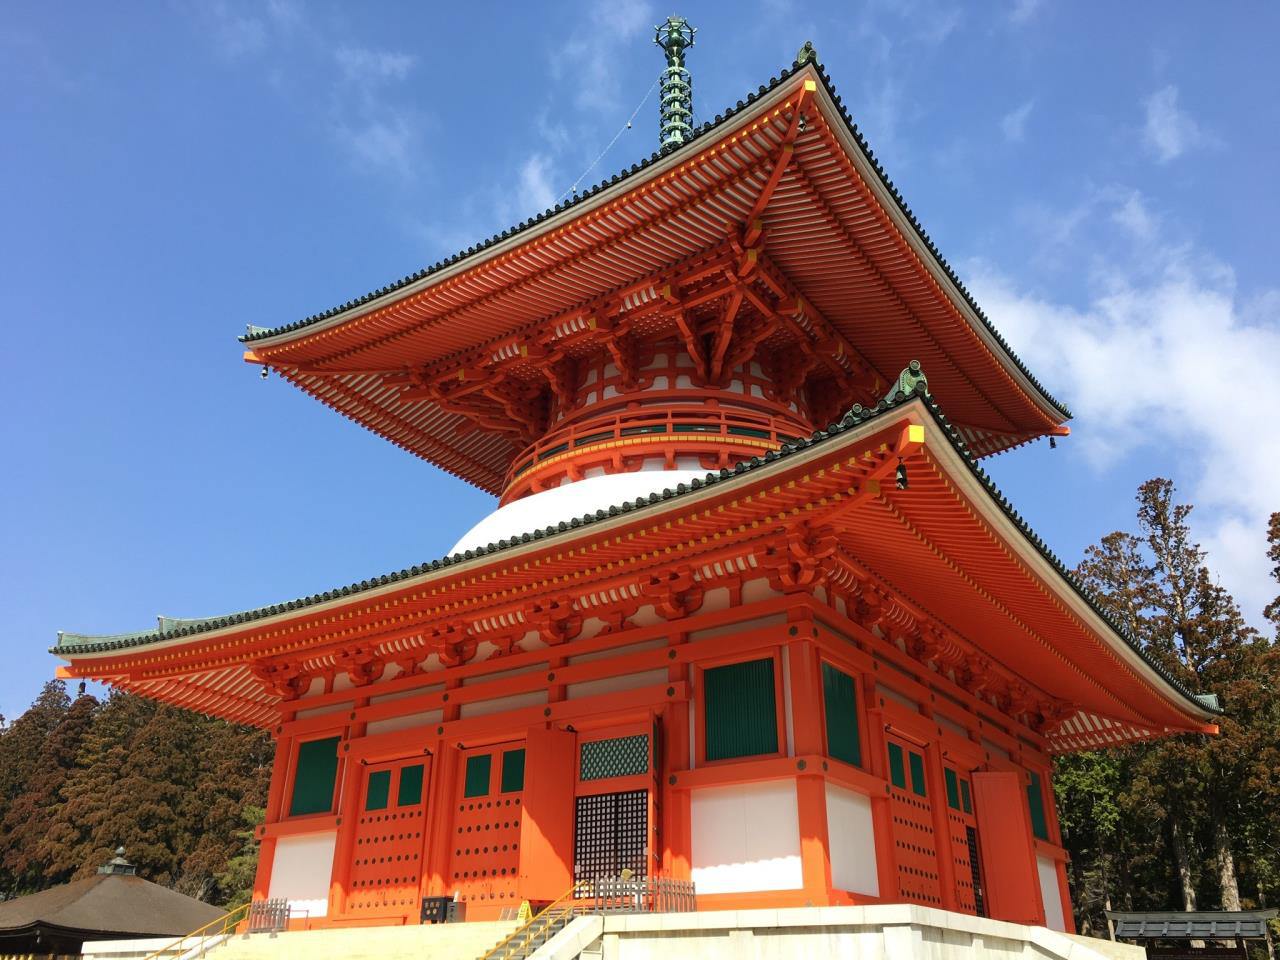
{"x":1178,"y":822}
{"x":170,"y":786}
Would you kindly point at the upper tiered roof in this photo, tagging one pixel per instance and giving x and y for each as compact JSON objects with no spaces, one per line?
{"x":783,"y":181}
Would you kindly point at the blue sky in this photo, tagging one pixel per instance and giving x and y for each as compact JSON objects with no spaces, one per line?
{"x":1102,"y":175}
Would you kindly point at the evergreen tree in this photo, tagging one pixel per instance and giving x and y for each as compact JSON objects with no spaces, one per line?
{"x":85,"y":829}
{"x":1179,"y":821}
{"x":21,"y":746}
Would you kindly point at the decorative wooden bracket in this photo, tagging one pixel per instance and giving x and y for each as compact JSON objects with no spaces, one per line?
{"x":283,"y":679}
{"x":555,"y":620}
{"x":803,"y":561}
{"x":361,"y":666}
{"x":674,"y":594}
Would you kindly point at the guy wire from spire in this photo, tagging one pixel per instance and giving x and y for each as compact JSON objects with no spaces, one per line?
{"x":609,"y":146}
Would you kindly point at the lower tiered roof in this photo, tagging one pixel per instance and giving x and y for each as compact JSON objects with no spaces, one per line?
{"x":950,"y":545}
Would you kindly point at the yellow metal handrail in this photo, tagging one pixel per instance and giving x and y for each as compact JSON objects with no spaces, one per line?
{"x":225,"y":923}
{"x":569,"y":894}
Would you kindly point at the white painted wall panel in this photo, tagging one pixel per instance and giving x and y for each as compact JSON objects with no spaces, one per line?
{"x":746,"y":837}
{"x":853,"y":841}
{"x":301,"y":871}
{"x":1050,"y":893}
{"x":481,"y":708}
{"x":425,"y":719}
{"x":626,"y":681}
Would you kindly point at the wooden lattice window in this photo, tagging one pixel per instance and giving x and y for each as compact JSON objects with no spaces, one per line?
{"x":611,"y":832}
{"x":614,"y":757}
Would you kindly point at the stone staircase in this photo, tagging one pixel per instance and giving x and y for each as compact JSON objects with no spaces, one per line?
{"x":528,"y":939}
{"x":449,"y":941}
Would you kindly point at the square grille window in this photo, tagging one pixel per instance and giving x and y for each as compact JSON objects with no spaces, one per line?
{"x":610,"y":834}
{"x":616,"y":757}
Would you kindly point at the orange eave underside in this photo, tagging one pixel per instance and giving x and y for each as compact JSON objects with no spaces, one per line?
{"x":979,"y":584}
{"x":825,"y":226}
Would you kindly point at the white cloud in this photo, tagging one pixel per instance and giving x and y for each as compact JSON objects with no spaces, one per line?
{"x":234,"y":34}
{"x":385,"y":143}
{"x":536,"y":191}
{"x":1164,"y":359}
{"x":592,"y":50}
{"x":1014,"y":123}
{"x":1169,"y":132}
{"x":1024,"y":10}
{"x":363,"y":66}
{"x":377,"y":133}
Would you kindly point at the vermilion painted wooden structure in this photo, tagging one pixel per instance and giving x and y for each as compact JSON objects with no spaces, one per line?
{"x":810,"y":657}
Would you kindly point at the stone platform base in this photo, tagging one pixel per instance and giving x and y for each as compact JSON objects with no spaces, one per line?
{"x":888,"y":932}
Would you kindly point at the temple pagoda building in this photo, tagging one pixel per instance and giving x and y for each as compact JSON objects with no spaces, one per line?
{"x":748,"y":611}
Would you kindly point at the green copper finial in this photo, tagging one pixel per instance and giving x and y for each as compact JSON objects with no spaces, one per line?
{"x":675,"y":103}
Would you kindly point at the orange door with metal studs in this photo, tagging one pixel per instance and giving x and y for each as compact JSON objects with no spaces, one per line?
{"x":963,"y":829}
{"x":386,"y":868}
{"x":915,"y":849}
{"x":1005,"y":845}
{"x":486,"y":829}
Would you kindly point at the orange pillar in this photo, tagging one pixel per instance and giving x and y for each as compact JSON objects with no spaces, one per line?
{"x":344,"y":846}
{"x":274,"y":813}
{"x":811,"y":784}
{"x":876,"y":762}
{"x":439,"y":830}
{"x":677,"y":829}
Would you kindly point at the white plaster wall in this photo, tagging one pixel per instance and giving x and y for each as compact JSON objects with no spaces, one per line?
{"x":852,"y":841}
{"x":1049,"y":892}
{"x":741,"y":626}
{"x":404,"y":694}
{"x":425,"y":719}
{"x":746,"y":837}
{"x":758,"y":589}
{"x":338,"y":708}
{"x":618,"y":651}
{"x":628,"y":681}
{"x":302,"y":870}
{"x":994,"y":749}
{"x":480,"y":708}
{"x":895,"y":697}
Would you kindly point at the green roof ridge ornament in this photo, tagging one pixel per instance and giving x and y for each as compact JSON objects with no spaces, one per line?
{"x":907,"y":381}
{"x":675,"y":98}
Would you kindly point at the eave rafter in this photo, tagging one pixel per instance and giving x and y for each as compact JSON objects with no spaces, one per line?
{"x":490,"y":385}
